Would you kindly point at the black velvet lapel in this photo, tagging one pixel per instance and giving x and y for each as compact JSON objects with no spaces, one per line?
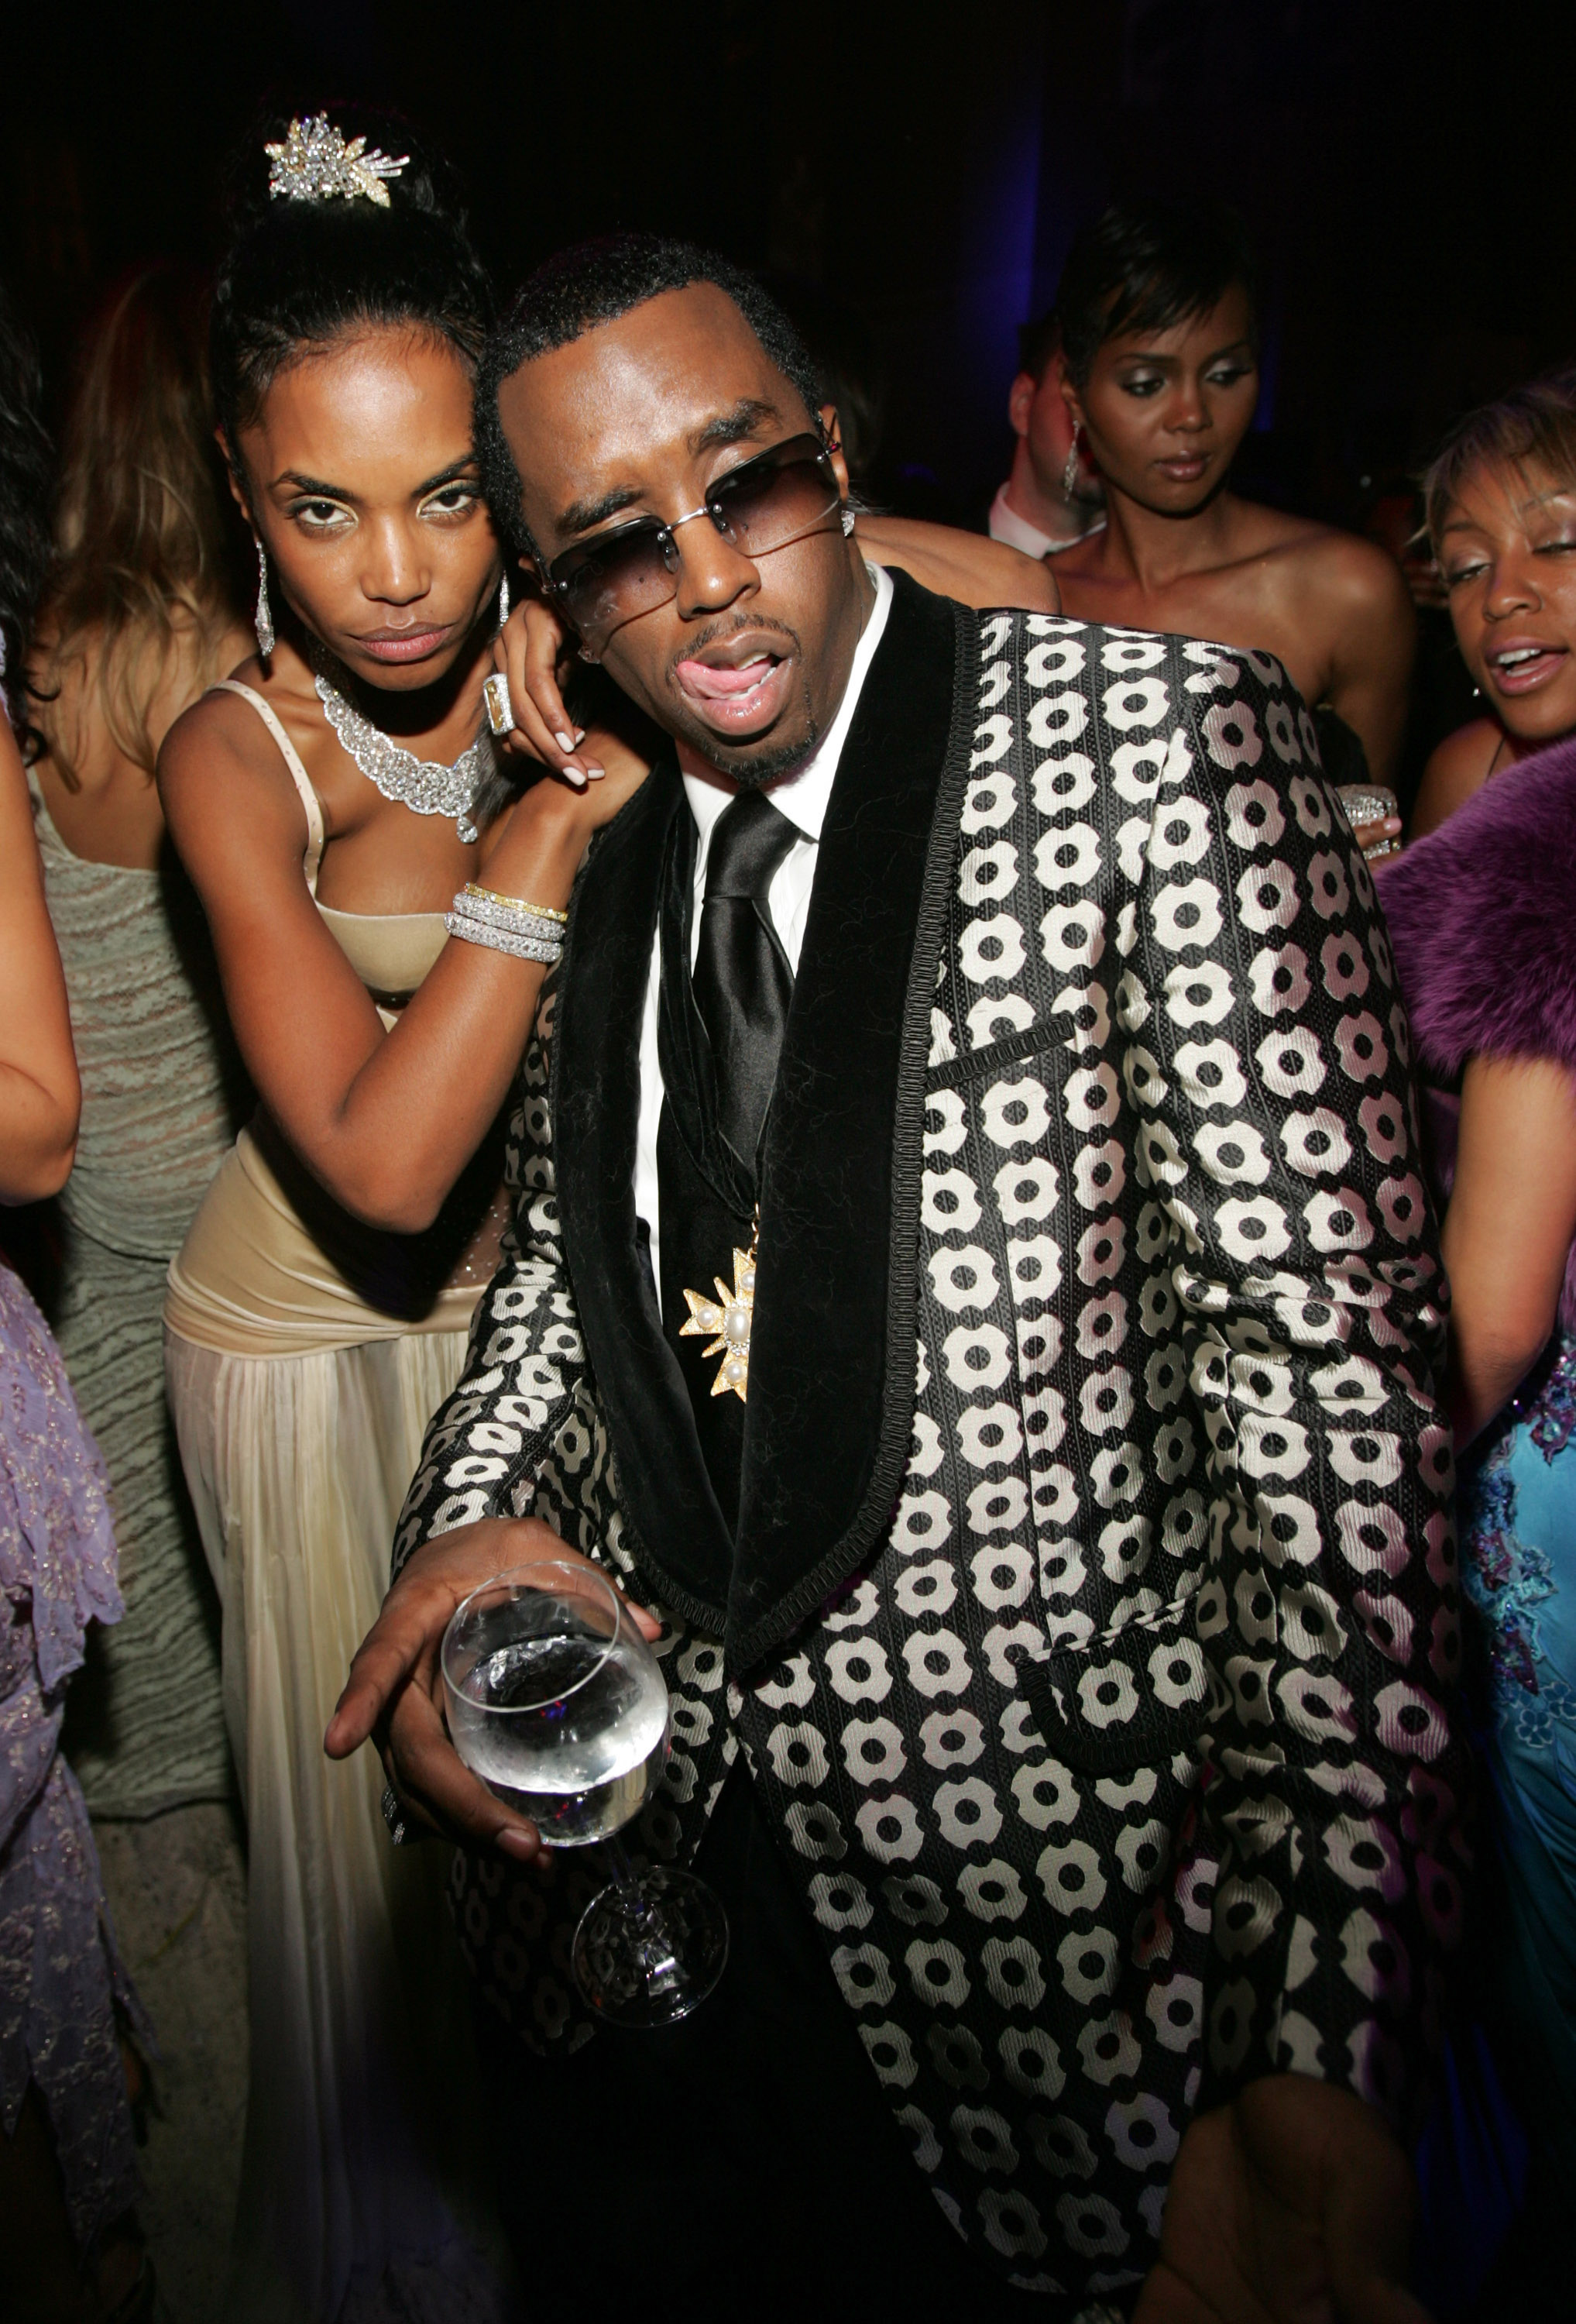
{"x":674,"y":1526}
{"x":832,"y":1358}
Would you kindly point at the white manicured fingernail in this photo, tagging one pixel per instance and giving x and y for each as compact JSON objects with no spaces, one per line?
{"x":565,"y":742}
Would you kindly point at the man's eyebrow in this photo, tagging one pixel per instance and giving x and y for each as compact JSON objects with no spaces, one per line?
{"x":582,"y":516}
{"x":734,"y":427}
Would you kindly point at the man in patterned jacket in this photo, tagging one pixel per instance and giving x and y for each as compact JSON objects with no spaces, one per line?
{"x":1059,"y":1626}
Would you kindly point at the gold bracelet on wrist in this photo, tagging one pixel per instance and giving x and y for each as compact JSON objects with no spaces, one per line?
{"x":515,"y":903}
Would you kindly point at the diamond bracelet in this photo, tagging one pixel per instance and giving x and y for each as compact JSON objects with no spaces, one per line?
{"x":474,"y":889}
{"x":520,"y":946}
{"x":508,"y":912}
{"x":519,"y":918}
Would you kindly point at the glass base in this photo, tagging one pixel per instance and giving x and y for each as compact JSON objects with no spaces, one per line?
{"x":647,"y":1950}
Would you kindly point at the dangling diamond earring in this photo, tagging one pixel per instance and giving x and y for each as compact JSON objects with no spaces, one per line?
{"x":503,"y":599}
{"x":263,"y":619}
{"x":1069,"y":473}
{"x":847,"y":520}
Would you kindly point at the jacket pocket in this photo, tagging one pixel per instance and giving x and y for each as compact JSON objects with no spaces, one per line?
{"x":1129,"y":1699}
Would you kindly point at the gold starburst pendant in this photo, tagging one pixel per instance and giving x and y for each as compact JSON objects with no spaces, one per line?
{"x":726,"y":1320}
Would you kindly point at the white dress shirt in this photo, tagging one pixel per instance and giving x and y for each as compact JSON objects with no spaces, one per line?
{"x":802,"y":796}
{"x":1017,"y":531}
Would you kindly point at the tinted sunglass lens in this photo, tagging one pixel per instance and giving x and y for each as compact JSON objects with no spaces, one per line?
{"x":764,"y":504}
{"x":612,"y":584}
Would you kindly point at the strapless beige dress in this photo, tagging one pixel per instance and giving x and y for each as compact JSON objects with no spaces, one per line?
{"x":305,"y":1352}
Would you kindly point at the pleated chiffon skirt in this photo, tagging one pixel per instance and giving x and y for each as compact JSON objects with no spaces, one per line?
{"x":361,"y":2173}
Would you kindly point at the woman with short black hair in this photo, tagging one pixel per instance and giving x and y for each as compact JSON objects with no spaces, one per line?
{"x":1160,"y":337}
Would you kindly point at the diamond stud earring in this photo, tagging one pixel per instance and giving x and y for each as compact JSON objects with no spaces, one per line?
{"x":263,"y":619}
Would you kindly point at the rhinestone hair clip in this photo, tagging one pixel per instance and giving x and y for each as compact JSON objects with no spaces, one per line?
{"x":314,"y":164}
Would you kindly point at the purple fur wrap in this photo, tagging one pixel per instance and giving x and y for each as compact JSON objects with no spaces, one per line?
{"x":1482,"y":917}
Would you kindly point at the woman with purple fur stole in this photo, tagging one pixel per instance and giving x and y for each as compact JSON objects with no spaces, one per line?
{"x":1482,"y":914}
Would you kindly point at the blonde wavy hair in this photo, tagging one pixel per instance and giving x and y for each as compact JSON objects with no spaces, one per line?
{"x":143,"y":592}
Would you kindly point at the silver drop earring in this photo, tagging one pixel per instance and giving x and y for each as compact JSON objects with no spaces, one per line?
{"x":263,"y":619}
{"x":1070,"y":472}
{"x":503,"y":599}
{"x":847,"y":521}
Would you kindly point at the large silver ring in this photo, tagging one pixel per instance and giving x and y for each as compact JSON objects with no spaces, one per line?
{"x":399,"y":1832}
{"x":500,"y":709}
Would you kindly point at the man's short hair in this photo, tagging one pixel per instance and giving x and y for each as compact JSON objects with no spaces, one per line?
{"x":1037,"y":342}
{"x":1146,"y":266}
{"x":594,"y":283}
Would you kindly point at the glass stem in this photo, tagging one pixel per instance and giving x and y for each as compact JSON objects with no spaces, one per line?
{"x":624,"y":1878}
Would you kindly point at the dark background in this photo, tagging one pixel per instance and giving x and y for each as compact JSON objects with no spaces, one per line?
{"x":915,"y":173}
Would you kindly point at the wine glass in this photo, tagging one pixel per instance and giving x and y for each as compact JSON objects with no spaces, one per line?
{"x":557,"y":1703}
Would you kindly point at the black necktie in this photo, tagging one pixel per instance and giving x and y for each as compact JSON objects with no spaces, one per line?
{"x":743,"y":982}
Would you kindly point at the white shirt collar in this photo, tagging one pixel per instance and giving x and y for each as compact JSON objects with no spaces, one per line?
{"x":1006,"y":525}
{"x":802,"y":795}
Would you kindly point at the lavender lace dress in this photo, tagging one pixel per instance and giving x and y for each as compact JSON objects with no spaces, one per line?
{"x":61,"y":1975}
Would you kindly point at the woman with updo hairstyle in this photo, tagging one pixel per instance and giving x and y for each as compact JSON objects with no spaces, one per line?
{"x":338,"y":807}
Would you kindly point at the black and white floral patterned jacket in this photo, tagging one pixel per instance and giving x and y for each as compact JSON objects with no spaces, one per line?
{"x":1091,"y":1623}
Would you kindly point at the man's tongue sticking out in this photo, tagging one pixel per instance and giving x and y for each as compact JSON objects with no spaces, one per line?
{"x":737,"y":694}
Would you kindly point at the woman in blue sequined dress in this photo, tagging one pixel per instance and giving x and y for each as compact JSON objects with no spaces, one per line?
{"x":1482,"y":914}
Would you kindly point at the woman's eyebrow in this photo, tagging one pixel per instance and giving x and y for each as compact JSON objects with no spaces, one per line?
{"x":313,"y":485}
{"x":454,"y":473}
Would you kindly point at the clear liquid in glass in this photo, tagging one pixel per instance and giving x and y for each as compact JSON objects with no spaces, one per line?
{"x":583,"y":1755}
{"x":556,"y":1702}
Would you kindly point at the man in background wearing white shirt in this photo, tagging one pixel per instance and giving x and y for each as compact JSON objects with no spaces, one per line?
{"x":1053,"y":498}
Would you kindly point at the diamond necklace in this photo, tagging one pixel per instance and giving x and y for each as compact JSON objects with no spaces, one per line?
{"x":420,"y":784}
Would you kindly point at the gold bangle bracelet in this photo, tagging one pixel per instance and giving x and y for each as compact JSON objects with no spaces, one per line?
{"x":515,"y":903}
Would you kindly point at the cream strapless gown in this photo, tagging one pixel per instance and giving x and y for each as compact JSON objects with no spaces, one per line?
{"x":304,"y":1354}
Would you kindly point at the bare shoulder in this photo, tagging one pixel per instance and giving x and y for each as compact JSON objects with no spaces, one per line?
{"x":1365,"y":578}
{"x":222,"y":781}
{"x":1341,"y":566}
{"x":967,"y":566}
{"x":1457,"y":768}
{"x":1080,"y":565}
